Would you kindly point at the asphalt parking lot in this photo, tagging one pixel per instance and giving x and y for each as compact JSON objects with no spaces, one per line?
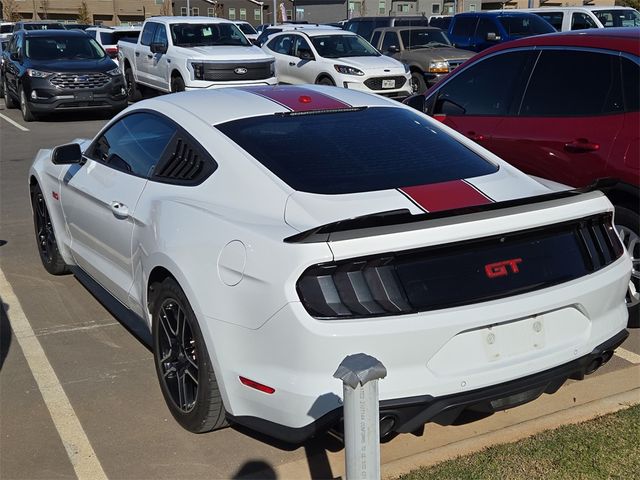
{"x":88,"y":403}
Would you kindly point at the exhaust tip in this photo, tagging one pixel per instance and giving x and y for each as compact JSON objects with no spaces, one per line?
{"x":387,"y":423}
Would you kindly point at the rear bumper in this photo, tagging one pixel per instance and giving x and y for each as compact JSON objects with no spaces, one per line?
{"x":409,"y":414}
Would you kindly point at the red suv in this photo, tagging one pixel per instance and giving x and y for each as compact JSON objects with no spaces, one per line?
{"x":564,"y":107}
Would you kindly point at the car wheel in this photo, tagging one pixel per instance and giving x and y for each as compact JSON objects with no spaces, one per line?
{"x":418,"y":85}
{"x":9,"y":101}
{"x":25,"y":108}
{"x":183,"y":365}
{"x":1,"y":87}
{"x":627,"y":225}
{"x":133,"y":92}
{"x":326,"y":81}
{"x":45,"y":236}
{"x":177,"y":84}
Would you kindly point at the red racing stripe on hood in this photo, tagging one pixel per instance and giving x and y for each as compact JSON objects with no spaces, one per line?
{"x":446,"y":195}
{"x":298,"y":99}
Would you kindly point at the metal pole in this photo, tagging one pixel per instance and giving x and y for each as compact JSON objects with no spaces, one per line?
{"x":275,"y":12}
{"x":360,"y":374}
{"x":188,"y":9}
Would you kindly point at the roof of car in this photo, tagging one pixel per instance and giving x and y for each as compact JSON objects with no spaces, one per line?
{"x":624,"y":39}
{"x":56,"y":32}
{"x":315,"y":32}
{"x":402,"y":17}
{"x":170,"y":20}
{"x":571,"y":9}
{"x":235,"y":103}
{"x":494,"y":13}
{"x":408,"y":27}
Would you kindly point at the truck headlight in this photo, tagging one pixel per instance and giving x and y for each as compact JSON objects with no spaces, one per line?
{"x":347,"y":70}
{"x":198,"y":71}
{"x":439,"y":67}
{"x":115,"y":72}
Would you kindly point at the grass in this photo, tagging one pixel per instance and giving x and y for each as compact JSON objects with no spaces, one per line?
{"x":605,"y":448}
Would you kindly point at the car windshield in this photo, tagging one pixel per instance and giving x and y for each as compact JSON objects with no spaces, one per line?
{"x":618,"y":17}
{"x":524,"y":26}
{"x":376,"y":148}
{"x":207,"y":34}
{"x":43,"y":26}
{"x":424,"y":38}
{"x":6,"y":28}
{"x":63,"y":48}
{"x":340,"y":46}
{"x":247,"y":28}
{"x":112,"y":38}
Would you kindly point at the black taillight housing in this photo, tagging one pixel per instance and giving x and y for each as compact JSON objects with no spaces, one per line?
{"x":353,"y":289}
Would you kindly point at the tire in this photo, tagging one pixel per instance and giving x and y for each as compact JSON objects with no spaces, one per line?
{"x":325,"y":81}
{"x":1,"y":87}
{"x":45,"y":236}
{"x":628,"y":227}
{"x":27,"y":114}
{"x":9,"y":101}
{"x":418,"y":85}
{"x":177,"y":84}
{"x":133,"y":91}
{"x":181,"y":359}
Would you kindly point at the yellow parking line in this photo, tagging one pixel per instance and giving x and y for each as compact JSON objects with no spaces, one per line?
{"x":14,"y":123}
{"x":75,"y":441}
{"x":628,"y":356}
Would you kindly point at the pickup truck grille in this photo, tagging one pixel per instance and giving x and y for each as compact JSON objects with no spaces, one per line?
{"x":376,"y":83}
{"x":462,"y":273}
{"x":225,"y":72}
{"x":75,"y":81}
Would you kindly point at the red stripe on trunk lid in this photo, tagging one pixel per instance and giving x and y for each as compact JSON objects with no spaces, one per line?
{"x":446,"y":195}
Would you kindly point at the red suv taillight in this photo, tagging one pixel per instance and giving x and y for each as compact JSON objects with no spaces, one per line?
{"x":112,"y":52}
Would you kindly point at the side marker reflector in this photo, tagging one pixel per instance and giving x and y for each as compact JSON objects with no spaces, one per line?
{"x":256,"y":385}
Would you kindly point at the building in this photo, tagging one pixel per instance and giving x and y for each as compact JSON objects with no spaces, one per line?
{"x":108,"y":12}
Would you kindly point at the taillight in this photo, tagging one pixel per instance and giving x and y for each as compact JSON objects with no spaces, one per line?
{"x":354,"y":289}
{"x":112,"y":52}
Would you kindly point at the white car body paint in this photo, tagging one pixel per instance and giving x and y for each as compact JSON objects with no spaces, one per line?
{"x":222,"y":240}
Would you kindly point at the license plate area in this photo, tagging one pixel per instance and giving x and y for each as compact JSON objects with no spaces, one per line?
{"x":388,"y":84}
{"x":83,"y":96}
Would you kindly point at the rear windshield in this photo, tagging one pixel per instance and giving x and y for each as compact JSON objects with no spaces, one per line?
{"x":63,"y":48}
{"x":524,"y":26}
{"x":6,"y":28}
{"x":377,"y":148}
{"x":112,"y":38}
{"x":247,"y":28}
{"x":618,"y":17}
{"x":43,"y":26}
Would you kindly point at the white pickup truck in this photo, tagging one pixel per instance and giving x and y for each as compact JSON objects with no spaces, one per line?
{"x":186,"y":53}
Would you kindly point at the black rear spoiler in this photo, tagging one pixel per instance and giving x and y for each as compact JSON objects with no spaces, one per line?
{"x":384,"y":222}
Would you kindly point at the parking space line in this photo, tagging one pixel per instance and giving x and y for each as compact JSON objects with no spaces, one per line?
{"x":628,"y":356}
{"x":75,"y":441}
{"x":14,"y":123}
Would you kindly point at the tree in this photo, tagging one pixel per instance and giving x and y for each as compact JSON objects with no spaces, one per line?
{"x":10,"y":11}
{"x":166,"y":10}
{"x":629,"y":3}
{"x":44,"y":4}
{"x":83,"y":13}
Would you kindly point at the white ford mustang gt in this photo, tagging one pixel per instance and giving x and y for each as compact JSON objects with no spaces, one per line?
{"x":255,"y":237}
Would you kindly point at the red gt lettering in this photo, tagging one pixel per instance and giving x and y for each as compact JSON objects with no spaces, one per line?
{"x":501,"y":269}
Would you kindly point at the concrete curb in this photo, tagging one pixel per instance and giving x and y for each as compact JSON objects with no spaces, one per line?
{"x":514,"y":433}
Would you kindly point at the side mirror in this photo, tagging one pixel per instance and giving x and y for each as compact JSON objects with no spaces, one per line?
{"x":305,"y":54}
{"x":416,"y":101}
{"x":67,"y":154}
{"x":393,"y":49}
{"x":493,"y":37}
{"x":158,"y":48}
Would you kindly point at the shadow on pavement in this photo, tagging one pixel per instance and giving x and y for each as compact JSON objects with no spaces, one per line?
{"x":5,"y":334}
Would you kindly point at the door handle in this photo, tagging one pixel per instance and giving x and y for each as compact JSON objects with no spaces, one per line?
{"x":137,"y":54}
{"x":292,"y":64}
{"x":119,"y":210}
{"x":581,"y":145}
{"x":476,"y":137}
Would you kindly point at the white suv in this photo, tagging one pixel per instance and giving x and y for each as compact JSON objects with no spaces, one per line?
{"x":339,"y":58}
{"x":108,"y":37}
{"x":565,"y":19}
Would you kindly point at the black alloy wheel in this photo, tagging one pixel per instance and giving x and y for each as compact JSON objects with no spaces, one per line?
{"x":326,"y":81}
{"x":133,"y":91}
{"x":45,"y":236}
{"x":183,"y":366}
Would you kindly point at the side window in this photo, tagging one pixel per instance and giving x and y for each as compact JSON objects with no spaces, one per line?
{"x":147,"y":33}
{"x":554,"y":18}
{"x":375,"y":39}
{"x":580,"y":21}
{"x":299,"y":43}
{"x":486,"y":88}
{"x":281,"y":44}
{"x":631,"y":80}
{"x":134,"y":144}
{"x":161,"y":35}
{"x":485,"y":27}
{"x":390,"y":40}
{"x":92,"y":33}
{"x":557,"y":86}
{"x":464,"y":26}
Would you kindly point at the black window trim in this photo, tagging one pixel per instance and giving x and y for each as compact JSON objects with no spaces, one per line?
{"x":179,"y":130}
